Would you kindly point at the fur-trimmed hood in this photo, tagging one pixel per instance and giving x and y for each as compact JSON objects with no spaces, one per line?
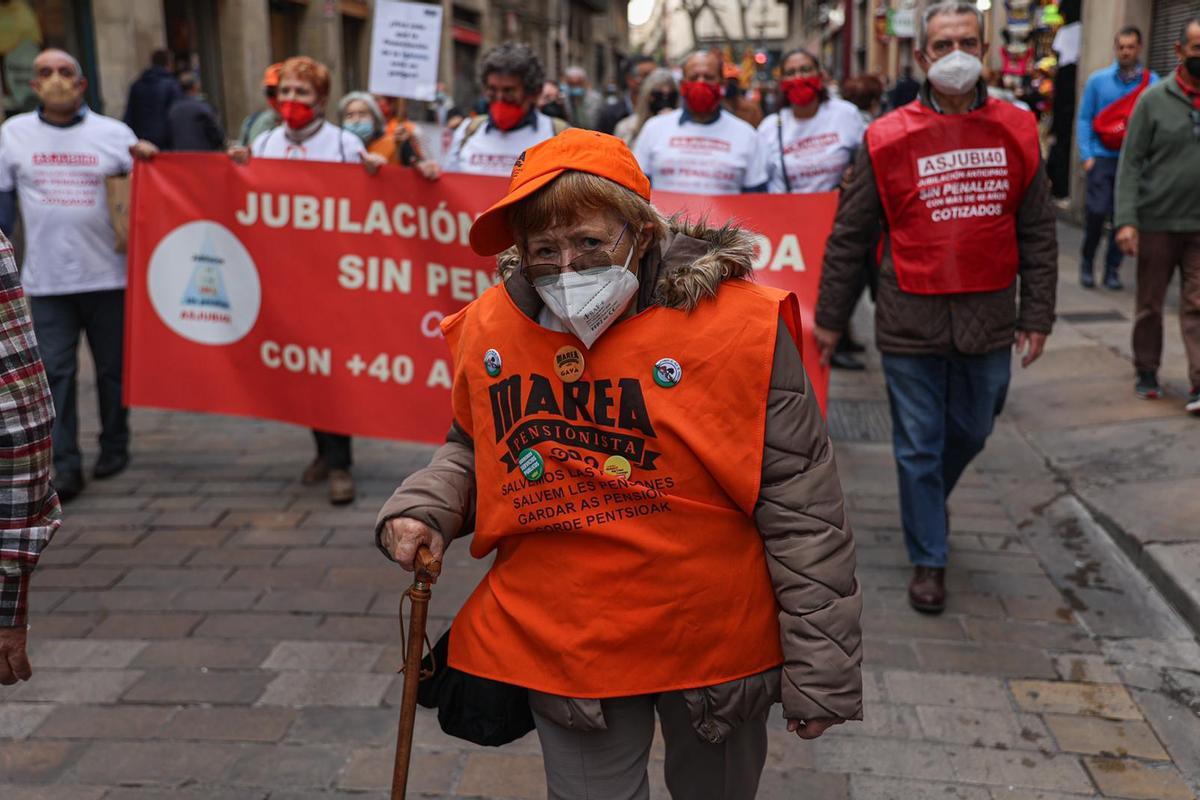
{"x":690,"y":263}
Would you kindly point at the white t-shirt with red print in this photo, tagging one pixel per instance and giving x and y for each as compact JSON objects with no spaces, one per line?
{"x":816,"y":151}
{"x":682,"y":155}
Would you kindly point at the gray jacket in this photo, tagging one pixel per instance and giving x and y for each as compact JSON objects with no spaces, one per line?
{"x":800,"y":514}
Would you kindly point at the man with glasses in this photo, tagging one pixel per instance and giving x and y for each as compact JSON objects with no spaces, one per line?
{"x":969,"y":266}
{"x":512,"y":79}
{"x":1158,"y":213}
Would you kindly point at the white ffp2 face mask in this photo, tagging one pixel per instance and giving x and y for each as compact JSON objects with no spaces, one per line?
{"x":955,"y":73}
{"x":589,"y":302}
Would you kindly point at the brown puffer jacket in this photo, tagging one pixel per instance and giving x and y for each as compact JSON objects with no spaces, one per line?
{"x":800,"y":513}
{"x":913,"y":324}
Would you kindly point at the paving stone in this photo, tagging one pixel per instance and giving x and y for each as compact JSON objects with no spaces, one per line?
{"x":986,"y":659}
{"x":276,"y":577}
{"x":1016,"y":793}
{"x":322,"y":656}
{"x":188,"y":538}
{"x":889,"y":757}
{"x":1064,"y":697}
{"x":256,"y":626}
{"x":104,"y":722}
{"x":868,"y":787}
{"x":265,"y":519}
{"x":142,"y":555}
{"x":381,"y":630}
{"x":352,"y":726}
{"x":216,"y":599}
{"x":883,"y":653}
{"x":18,"y":720}
{"x":75,"y":686}
{"x":269,"y":537}
{"x":316,"y":601}
{"x":913,"y":626}
{"x":964,"y":691}
{"x":69,"y":556}
{"x":115,"y":599}
{"x":51,"y":577}
{"x":384,"y":577}
{"x":177,"y":577}
{"x":1031,"y":634}
{"x":202,"y":793}
{"x":1016,"y":768}
{"x":219,"y":687}
{"x":1045,"y":609}
{"x":782,"y":785}
{"x":196,"y":518}
{"x":1155,"y":652}
{"x":145,"y":626}
{"x":495,"y":776}
{"x":289,"y":766}
{"x":53,"y":792}
{"x":362,"y":555}
{"x":1105,"y":737}
{"x":35,"y":761}
{"x":1085,"y":669}
{"x":370,"y":769}
{"x":235,"y":557}
{"x":300,"y":689}
{"x":168,"y":763}
{"x":66,"y":626}
{"x":210,"y":653}
{"x":230,"y":724}
{"x":1117,"y":777}
{"x":89,"y":653}
{"x":984,"y":728}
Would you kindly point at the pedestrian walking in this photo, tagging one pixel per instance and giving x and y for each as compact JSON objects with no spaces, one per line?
{"x":306,"y":135}
{"x":612,"y":333}
{"x":1108,"y":101}
{"x":56,"y":160}
{"x":904,"y":90}
{"x":192,"y":124}
{"x":701,"y":148}
{"x":636,"y":72}
{"x":958,"y":181}
{"x":29,"y":509}
{"x":584,"y":103}
{"x":1158,"y":213}
{"x":657,"y":94}
{"x":808,"y":146}
{"x":265,"y":118}
{"x":489,"y":144}
{"x":151,"y":97}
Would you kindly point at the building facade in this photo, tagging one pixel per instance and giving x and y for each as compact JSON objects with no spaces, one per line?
{"x":230,"y":42}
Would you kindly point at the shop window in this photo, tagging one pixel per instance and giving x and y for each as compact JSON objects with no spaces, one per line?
{"x":29,"y":26}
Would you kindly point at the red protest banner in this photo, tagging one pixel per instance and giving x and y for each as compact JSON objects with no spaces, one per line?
{"x":311,"y":293}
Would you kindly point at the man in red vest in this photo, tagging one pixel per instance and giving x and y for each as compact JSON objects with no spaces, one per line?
{"x":957,"y":178}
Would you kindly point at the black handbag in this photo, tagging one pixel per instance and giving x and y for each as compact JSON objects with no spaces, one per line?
{"x":480,"y":710}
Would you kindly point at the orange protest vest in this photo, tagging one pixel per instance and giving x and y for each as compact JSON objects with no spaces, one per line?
{"x":951,"y":185}
{"x":617,"y":487}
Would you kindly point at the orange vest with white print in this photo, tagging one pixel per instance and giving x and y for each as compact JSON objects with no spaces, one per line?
{"x":617,"y":487}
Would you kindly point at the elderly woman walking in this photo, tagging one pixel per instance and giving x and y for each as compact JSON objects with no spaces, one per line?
{"x":636,"y":440}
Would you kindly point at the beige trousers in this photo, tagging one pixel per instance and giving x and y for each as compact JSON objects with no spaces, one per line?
{"x":611,"y":764}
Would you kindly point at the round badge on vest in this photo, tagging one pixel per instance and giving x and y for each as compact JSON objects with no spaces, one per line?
{"x":667,"y":372}
{"x":619,"y":466}
{"x":533,"y":467}
{"x":568,"y":363}
{"x":492,"y":362}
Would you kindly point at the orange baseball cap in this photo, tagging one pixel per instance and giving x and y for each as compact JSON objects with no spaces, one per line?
{"x":573,"y":149}
{"x":271,"y":74}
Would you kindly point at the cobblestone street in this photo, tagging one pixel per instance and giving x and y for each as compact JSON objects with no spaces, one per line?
{"x":204,"y":626}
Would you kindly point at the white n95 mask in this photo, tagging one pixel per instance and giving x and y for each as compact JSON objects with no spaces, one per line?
{"x":587,"y":302}
{"x":955,"y":73}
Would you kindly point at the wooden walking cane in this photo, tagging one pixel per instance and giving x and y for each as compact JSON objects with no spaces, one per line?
{"x":425,"y":574}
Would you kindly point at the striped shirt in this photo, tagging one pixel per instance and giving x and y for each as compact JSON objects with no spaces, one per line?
{"x":29,"y":509}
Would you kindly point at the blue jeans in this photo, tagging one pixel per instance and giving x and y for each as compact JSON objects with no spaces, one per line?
{"x":943,"y":410}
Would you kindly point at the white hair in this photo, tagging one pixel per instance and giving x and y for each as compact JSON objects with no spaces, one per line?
{"x":954,"y":7}
{"x":372,"y":106}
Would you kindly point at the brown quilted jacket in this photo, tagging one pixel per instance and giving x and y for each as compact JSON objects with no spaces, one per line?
{"x":800,"y":514}
{"x":912,"y":324}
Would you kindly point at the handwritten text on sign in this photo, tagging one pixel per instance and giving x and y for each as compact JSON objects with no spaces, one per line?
{"x":405,"y":43}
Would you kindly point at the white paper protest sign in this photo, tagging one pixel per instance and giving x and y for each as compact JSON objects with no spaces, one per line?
{"x":405,"y":42}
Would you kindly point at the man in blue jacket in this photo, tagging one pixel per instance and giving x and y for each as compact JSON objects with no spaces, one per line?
{"x":151,"y":97}
{"x":1103,"y":88}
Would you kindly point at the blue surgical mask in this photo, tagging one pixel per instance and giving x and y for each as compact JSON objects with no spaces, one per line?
{"x":361,"y":128}
{"x":576,"y":91}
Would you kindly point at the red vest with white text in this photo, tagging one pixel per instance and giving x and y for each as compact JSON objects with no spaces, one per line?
{"x":951,"y":185}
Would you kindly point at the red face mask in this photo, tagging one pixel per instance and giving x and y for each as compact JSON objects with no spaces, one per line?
{"x":295,"y":114}
{"x":700,"y":97}
{"x":801,"y":91}
{"x":505,"y":115}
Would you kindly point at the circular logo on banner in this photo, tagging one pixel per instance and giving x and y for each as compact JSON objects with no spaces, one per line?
{"x":533,"y":467}
{"x":667,"y":372}
{"x":618,"y":465}
{"x":492,"y":362}
{"x":203,"y":284}
{"x":568,"y":363}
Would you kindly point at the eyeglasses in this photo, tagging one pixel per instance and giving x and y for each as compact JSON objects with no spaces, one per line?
{"x":543,"y":274}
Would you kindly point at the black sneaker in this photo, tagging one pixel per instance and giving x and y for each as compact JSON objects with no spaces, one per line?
{"x":1147,"y":386}
{"x":110,"y":464}
{"x":1193,"y":403}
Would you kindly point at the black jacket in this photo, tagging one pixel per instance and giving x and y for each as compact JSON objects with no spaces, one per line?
{"x":150,"y":97}
{"x":192,"y":125}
